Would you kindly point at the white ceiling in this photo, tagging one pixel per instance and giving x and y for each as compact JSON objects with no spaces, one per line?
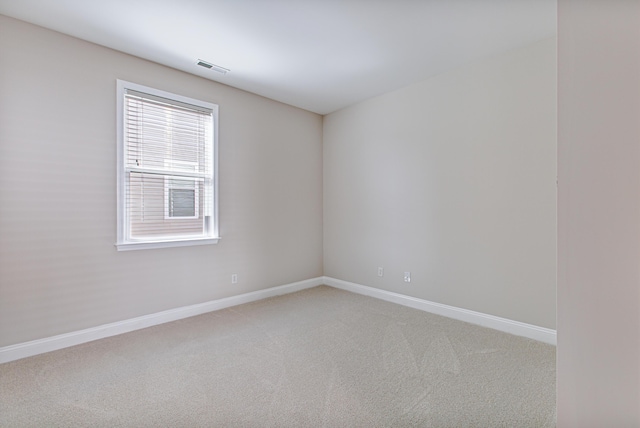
{"x":320,"y":55}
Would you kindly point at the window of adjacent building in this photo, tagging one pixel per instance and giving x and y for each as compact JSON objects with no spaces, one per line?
{"x":167,"y":150}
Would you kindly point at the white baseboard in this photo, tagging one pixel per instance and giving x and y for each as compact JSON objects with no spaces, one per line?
{"x":540,"y":334}
{"x":40,"y":346}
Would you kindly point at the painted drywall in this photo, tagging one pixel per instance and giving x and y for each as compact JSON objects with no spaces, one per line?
{"x":454,"y":180}
{"x":59,"y":268}
{"x":598,"y":368}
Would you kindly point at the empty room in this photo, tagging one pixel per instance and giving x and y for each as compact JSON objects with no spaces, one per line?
{"x":320,"y":213}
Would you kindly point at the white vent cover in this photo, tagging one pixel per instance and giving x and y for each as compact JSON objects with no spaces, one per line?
{"x":213,"y":67}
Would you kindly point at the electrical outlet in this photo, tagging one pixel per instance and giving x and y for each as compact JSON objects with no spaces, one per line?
{"x":234,"y":278}
{"x":407,"y":277}
{"x":380,"y":271}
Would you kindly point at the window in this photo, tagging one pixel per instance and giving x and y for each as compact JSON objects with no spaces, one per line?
{"x":167,"y":175}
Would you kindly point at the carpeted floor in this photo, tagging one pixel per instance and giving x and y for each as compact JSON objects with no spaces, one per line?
{"x":317,"y":358}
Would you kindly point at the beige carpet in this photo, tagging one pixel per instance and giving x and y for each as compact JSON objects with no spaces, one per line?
{"x":317,"y":358}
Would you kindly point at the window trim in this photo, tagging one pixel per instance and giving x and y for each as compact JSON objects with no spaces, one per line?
{"x":123,"y":242}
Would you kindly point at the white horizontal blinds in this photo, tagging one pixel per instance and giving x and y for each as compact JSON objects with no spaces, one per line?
{"x":168,"y":168}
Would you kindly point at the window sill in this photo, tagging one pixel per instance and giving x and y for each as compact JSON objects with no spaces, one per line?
{"x":148,"y":245}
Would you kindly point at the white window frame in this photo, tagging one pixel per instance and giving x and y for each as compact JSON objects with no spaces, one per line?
{"x":124,"y":241}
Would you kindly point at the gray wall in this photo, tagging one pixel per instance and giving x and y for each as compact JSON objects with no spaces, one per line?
{"x":59,"y":268}
{"x":454,"y":180}
{"x":598,"y":365}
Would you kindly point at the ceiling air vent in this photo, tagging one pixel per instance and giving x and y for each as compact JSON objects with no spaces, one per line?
{"x":213,"y":67}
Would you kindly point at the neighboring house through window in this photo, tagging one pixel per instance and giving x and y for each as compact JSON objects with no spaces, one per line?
{"x":167,"y":175}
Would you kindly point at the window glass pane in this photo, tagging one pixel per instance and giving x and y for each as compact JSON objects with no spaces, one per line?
{"x":182,"y":203}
